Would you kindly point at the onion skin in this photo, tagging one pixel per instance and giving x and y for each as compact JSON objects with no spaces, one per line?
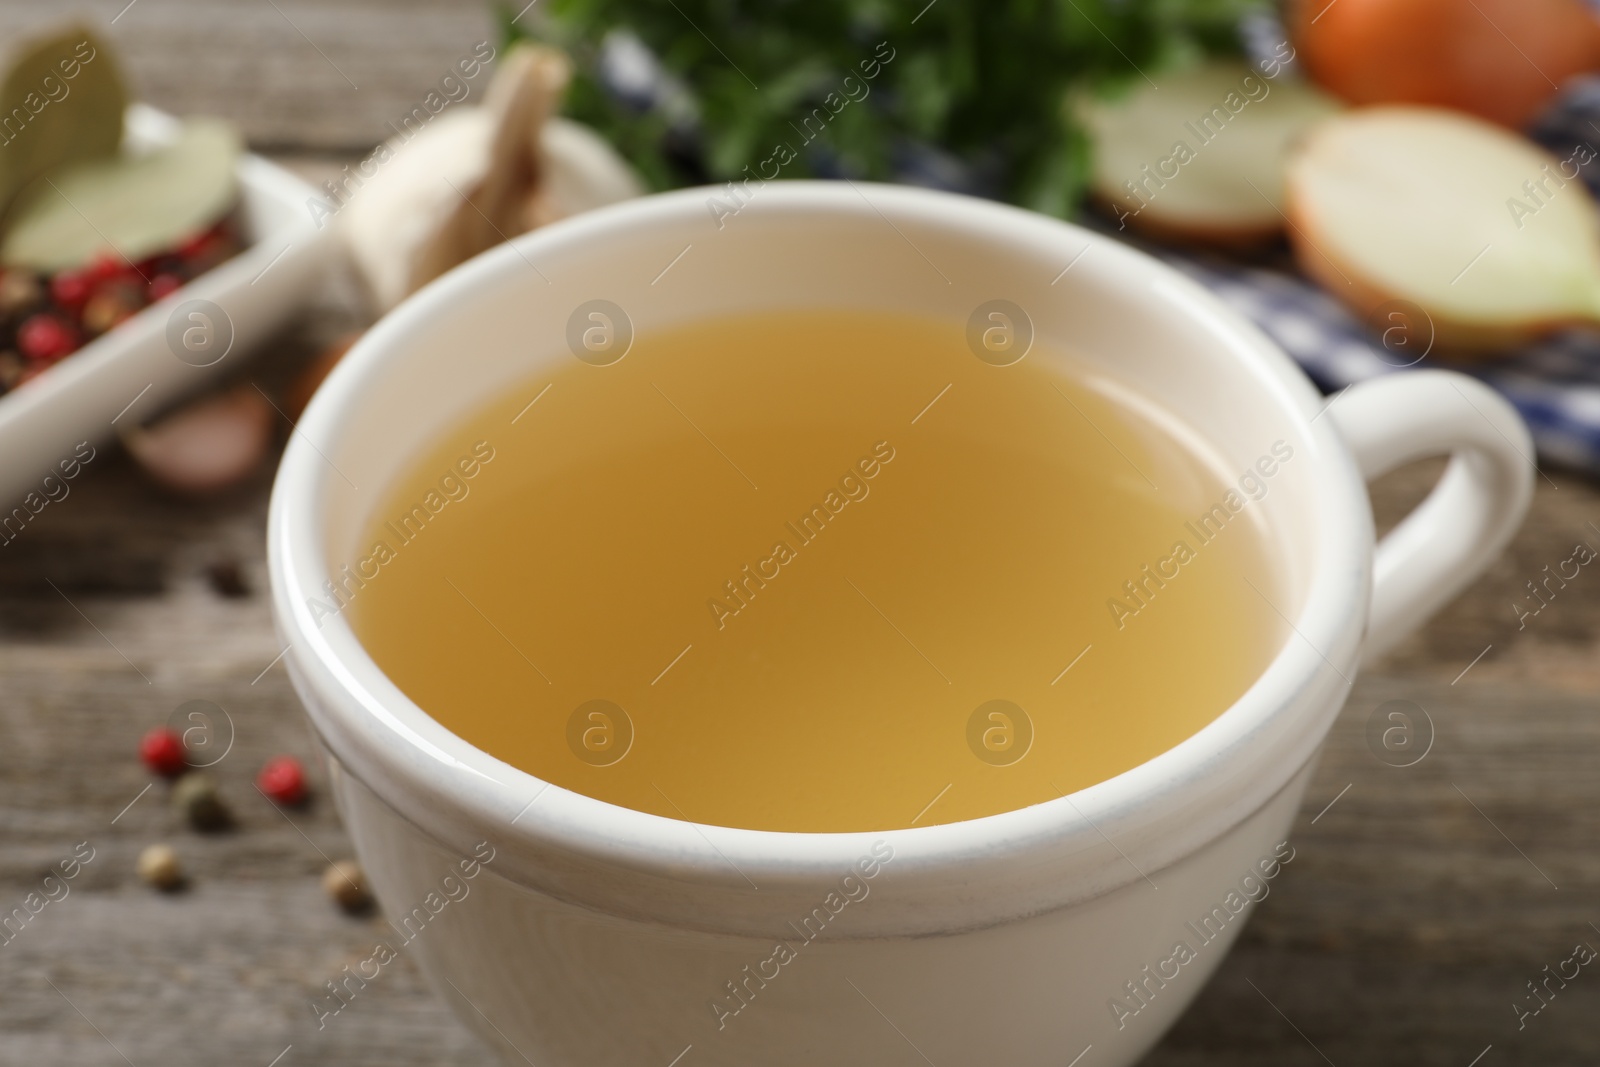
{"x":1239,"y":238}
{"x":1502,"y":60}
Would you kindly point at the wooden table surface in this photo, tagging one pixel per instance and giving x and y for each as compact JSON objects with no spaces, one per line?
{"x":1421,"y":902}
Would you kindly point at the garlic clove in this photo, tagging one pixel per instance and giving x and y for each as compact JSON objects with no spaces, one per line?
{"x":477,"y":176}
{"x":414,"y":192}
{"x":209,"y":445}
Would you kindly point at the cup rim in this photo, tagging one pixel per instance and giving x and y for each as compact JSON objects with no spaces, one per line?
{"x":454,"y":790}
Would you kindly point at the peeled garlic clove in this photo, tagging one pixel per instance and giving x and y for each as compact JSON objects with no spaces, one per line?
{"x":209,"y":445}
{"x":1201,"y":157}
{"x":1492,"y":237}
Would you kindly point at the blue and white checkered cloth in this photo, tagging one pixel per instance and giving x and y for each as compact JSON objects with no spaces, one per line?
{"x":1555,"y":383}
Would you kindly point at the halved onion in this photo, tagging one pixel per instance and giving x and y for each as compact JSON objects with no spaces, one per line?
{"x":1493,"y":238}
{"x":1200,"y":156}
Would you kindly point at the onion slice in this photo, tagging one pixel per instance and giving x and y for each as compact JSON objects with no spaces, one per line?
{"x":1489,"y":235}
{"x":1201,"y":157}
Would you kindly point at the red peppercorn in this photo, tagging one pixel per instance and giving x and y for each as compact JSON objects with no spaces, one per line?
{"x":45,"y":337}
{"x":162,"y":751}
{"x":283,"y":780}
{"x":105,"y":267}
{"x":200,"y":244}
{"x":163,"y":285}
{"x":70,"y":289}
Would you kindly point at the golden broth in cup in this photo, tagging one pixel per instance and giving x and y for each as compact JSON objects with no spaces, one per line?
{"x":820,"y":571}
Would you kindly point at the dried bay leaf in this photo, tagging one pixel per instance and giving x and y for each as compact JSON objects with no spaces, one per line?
{"x":61,"y":102}
{"x":132,"y":205}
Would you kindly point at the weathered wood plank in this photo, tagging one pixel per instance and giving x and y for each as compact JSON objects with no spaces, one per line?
{"x":224,"y":972}
{"x":1402,"y":934}
{"x":300,"y":74}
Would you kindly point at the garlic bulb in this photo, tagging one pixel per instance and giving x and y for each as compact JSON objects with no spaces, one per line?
{"x":476,"y":176}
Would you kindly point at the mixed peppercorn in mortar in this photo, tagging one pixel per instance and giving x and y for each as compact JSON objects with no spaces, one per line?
{"x":47,"y":317}
{"x":100,"y":217}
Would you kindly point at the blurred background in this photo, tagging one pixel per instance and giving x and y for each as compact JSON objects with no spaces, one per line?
{"x":1439,"y":870}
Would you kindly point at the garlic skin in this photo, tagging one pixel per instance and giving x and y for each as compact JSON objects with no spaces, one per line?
{"x":477,"y":176}
{"x":410,"y":198}
{"x":582,"y":170}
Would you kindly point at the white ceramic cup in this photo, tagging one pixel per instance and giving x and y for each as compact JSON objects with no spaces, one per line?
{"x":597,"y":935}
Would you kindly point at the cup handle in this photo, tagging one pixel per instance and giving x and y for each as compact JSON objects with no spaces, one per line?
{"x":1453,"y":535}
